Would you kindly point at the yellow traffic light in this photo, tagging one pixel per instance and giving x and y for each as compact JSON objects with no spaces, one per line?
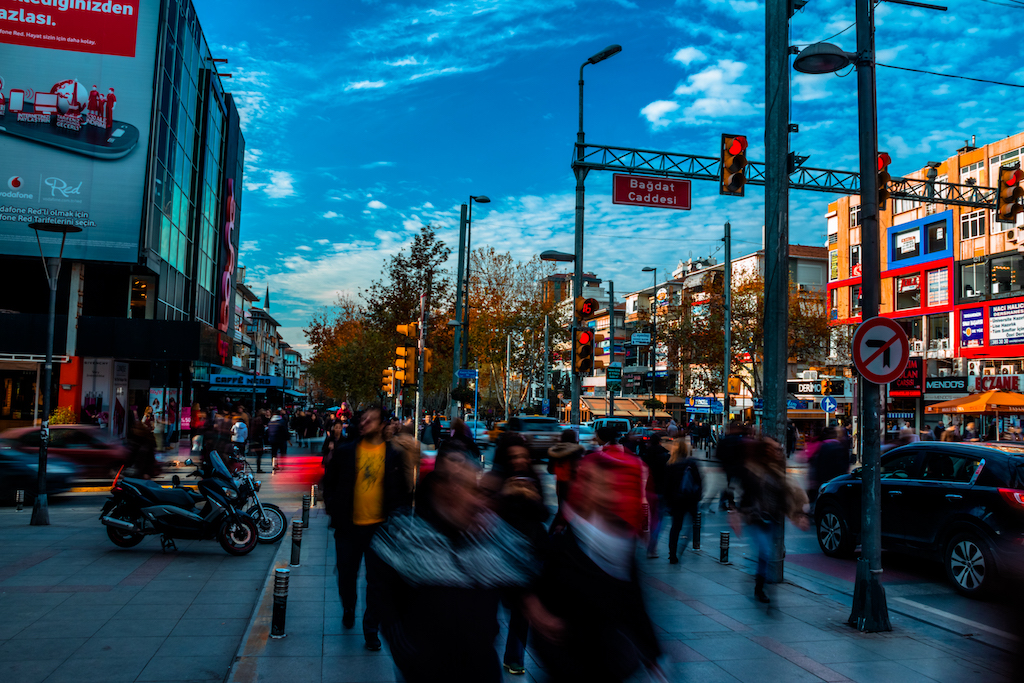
{"x":733,"y":171}
{"x":883,"y":179}
{"x":387,"y":381}
{"x":427,"y":357}
{"x":735,"y":385}
{"x":406,"y":373}
{"x":408,"y":330}
{"x":1008,"y":196}
{"x":407,"y":352}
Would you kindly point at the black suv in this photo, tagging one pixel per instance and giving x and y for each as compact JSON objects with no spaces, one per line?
{"x":540,"y":433}
{"x":959,"y":503}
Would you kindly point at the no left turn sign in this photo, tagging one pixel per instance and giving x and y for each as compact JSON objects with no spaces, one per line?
{"x":880,"y":350}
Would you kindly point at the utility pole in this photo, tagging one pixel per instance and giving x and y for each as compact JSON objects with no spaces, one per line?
{"x":776,"y":247}
{"x":457,"y":345}
{"x":421,"y":344}
{"x":508,"y":374}
{"x":547,"y":368}
{"x":727,"y":305}
{"x":611,"y":346}
{"x":870,"y":612}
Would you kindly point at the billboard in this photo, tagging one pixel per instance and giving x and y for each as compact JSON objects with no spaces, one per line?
{"x":972,"y":327}
{"x":1006,"y":324}
{"x":76,"y":92}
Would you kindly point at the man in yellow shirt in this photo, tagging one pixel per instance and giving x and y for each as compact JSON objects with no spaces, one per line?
{"x":364,"y":483}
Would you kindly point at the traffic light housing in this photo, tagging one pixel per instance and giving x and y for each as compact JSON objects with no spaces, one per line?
{"x":406,"y":364}
{"x":585,"y":307}
{"x":583,"y":351}
{"x":409,"y":330}
{"x":1009,"y":193}
{"x":428,"y":356}
{"x":735,"y":386}
{"x":733,"y":169}
{"x":598,"y":338}
{"x":883,"y":179}
{"x":387,"y":381}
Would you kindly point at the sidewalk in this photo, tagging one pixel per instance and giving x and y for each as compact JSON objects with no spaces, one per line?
{"x":77,"y":608}
{"x":711,"y":628}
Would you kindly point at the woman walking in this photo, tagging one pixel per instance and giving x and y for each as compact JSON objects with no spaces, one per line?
{"x":684,"y":489}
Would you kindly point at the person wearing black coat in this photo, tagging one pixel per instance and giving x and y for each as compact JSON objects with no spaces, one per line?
{"x":656,"y":458}
{"x":681,"y":503}
{"x":278,"y":437}
{"x":364,"y":484}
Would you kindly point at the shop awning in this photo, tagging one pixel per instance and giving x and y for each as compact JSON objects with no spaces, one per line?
{"x":798,"y":414}
{"x":989,"y":402}
{"x":292,"y":392}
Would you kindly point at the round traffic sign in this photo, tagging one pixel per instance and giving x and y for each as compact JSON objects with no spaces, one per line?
{"x":829,"y":405}
{"x":880,"y":350}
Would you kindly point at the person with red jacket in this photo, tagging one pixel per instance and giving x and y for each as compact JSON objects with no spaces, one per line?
{"x":625,"y":496}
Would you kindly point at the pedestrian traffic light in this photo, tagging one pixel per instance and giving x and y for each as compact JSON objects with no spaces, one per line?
{"x":734,"y":385}
{"x":428,"y":355}
{"x":387,"y":381}
{"x":585,"y":307}
{"x":583,"y":351}
{"x":408,"y":330}
{"x":1008,"y":197}
{"x":883,"y":179}
{"x":733,"y":171}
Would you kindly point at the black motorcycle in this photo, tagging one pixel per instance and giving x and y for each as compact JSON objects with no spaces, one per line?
{"x":270,"y":519}
{"x":139,"y":507}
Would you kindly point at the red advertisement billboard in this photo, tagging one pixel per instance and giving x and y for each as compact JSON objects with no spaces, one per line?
{"x":639,"y":190}
{"x":101,"y":27}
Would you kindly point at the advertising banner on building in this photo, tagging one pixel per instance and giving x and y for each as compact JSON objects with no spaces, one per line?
{"x":938,"y":287}
{"x":76,"y":90}
{"x":972,"y":327}
{"x":911,"y":382}
{"x":1006,"y":324}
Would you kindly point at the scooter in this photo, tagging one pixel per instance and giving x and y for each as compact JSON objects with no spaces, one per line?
{"x":139,"y":507}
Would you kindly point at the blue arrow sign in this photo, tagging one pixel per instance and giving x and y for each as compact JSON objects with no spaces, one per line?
{"x":467,"y":373}
{"x":828,"y":404}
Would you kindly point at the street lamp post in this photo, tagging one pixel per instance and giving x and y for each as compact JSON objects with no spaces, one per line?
{"x":654,"y":329}
{"x":464,"y":331}
{"x":581,"y":174}
{"x":40,"y":509}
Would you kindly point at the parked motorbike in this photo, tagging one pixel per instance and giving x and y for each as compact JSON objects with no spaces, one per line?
{"x":138,"y":508}
{"x":270,"y":519}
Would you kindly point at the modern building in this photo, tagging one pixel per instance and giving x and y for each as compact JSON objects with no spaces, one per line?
{"x":146,"y":158}
{"x":951,"y":276}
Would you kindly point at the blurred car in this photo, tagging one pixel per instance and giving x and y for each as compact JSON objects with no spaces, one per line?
{"x":585,"y":435}
{"x":20,"y":471}
{"x":540,"y":433}
{"x":642,"y":437}
{"x":90,"y":450}
{"x":959,"y":503}
{"x":479,"y":430}
{"x":619,"y":423}
{"x":497,"y":430}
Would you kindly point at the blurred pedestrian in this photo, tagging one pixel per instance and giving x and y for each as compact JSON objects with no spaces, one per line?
{"x":257,"y":437}
{"x":627,"y":494}
{"x":831,"y":459}
{"x":439,"y":576}
{"x":332,"y":442}
{"x":684,"y":490}
{"x":656,"y":458}
{"x":731,"y":452}
{"x":460,"y":432}
{"x":563,"y":458}
{"x":239,"y":437}
{"x":279,"y":437}
{"x":791,"y":438}
{"x":402,"y":438}
{"x":364,"y":484}
{"x":435,"y":430}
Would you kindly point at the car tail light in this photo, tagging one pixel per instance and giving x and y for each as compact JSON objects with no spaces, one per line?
{"x":1014,"y":497}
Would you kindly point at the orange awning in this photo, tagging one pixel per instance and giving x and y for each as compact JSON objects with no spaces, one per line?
{"x":981,"y":404}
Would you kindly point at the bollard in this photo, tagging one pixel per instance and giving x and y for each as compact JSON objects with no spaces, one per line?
{"x":19,"y":497}
{"x":296,"y":542}
{"x":723,"y":541}
{"x":312,"y":495}
{"x":280,"y":603}
{"x":696,"y":531}
{"x":305,"y":511}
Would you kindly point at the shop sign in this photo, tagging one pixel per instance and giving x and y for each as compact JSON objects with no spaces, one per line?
{"x":908,"y":242}
{"x":833,"y":265}
{"x":703,"y":404}
{"x":820,"y":387}
{"x":246,"y":381}
{"x":945,"y":385}
{"x":909,"y":284}
{"x":972,"y":327}
{"x":1006,"y":324}
{"x":995,"y":383}
{"x":908,"y":384}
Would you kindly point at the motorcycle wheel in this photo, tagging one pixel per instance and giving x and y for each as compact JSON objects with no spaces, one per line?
{"x":272,"y":525}
{"x":124,"y":539}
{"x":238,"y":538}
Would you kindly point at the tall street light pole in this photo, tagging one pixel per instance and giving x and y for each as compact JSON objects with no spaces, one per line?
{"x":581,"y":174}
{"x":457,"y":345}
{"x":480,"y":199}
{"x":40,"y":509}
{"x":654,"y":329}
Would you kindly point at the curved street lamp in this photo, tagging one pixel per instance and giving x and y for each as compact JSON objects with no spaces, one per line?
{"x":822,"y":58}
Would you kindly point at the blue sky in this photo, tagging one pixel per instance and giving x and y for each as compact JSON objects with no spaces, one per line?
{"x":365,"y":119}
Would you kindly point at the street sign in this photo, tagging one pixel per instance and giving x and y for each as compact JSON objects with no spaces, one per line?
{"x":880,"y":350}
{"x":663,"y":193}
{"x":829,"y":405}
{"x":613,"y":373}
{"x":545,"y":406}
{"x":640,"y":339}
{"x":467,"y":373}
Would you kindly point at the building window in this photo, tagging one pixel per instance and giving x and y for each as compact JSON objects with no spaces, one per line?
{"x":938,"y":287}
{"x":1007,"y":274}
{"x":972,"y":280}
{"x":854,"y":260}
{"x":938,"y":332}
{"x":833,"y":298}
{"x":908,"y":292}
{"x":972,"y":225}
{"x":833,"y":265}
{"x":938,"y":236}
{"x":855,"y":301}
{"x":854,"y":216}
{"x":903,"y":205}
{"x":906,"y":244}
{"x":913,"y":328}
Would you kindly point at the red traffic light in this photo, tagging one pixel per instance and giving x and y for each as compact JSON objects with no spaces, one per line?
{"x":584,"y":337}
{"x":883,"y":160}
{"x":739,"y":144}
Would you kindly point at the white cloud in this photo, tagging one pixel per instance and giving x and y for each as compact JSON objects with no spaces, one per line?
{"x":689,"y":55}
{"x":332,"y":214}
{"x":378,"y":164}
{"x":406,"y":61}
{"x":655,"y":113}
{"x":374,"y":204}
{"x":720,"y":93}
{"x":323,"y":242}
{"x":304,"y":247}
{"x":365,"y":85}
{"x":280,"y":186}
{"x":248,"y":247}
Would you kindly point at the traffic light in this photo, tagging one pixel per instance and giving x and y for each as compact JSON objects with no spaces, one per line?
{"x":408,"y":330}
{"x":1009,"y":194}
{"x":734,"y":385}
{"x":583,"y":351}
{"x":733,"y":172}
{"x":597,"y":339}
{"x":387,"y":382}
{"x":406,"y":363}
{"x":427,"y":357}
{"x":883,"y":179}
{"x":585,"y":307}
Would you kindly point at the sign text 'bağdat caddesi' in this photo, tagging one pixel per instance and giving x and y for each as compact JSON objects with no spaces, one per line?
{"x":638,"y":190}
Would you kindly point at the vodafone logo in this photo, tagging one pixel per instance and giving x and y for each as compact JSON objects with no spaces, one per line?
{"x":15,"y":182}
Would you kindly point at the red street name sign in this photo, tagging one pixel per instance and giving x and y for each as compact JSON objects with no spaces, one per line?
{"x":640,"y":190}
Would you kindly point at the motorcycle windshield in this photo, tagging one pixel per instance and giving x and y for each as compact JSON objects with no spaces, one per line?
{"x":219,"y":470}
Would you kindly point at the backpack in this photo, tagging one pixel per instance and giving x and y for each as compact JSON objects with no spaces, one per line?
{"x":690,"y":486}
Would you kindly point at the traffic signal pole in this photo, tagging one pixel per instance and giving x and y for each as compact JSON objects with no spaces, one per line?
{"x":776,"y":240}
{"x":870,"y":612}
{"x":611,"y":347}
{"x":727,"y":305}
{"x":577,"y":273}
{"x":457,"y":342}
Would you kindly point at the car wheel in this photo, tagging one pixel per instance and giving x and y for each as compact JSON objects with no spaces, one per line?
{"x":834,"y":535}
{"x":969,"y":564}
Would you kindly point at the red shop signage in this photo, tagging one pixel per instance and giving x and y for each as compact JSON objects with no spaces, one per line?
{"x":911,"y":382}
